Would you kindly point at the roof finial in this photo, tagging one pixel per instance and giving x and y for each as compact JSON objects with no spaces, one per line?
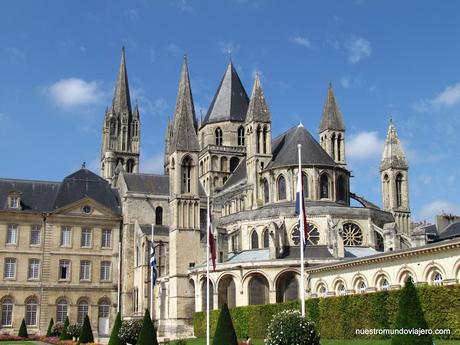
{"x":330,"y":84}
{"x":83,"y":166}
{"x":391,"y":119}
{"x":300,"y":125}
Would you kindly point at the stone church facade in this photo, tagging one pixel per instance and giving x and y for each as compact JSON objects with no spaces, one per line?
{"x":250,"y":177}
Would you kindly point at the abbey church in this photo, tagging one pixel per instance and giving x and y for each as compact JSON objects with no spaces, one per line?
{"x":86,"y":240}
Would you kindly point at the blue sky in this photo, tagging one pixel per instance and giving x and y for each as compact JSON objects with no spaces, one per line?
{"x":58,"y":66}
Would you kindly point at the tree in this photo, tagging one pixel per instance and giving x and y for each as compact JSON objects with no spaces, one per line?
{"x":74,"y":330}
{"x":114,"y":339}
{"x":148,"y":334}
{"x":129,"y":330}
{"x":23,"y":330}
{"x":225,"y":332}
{"x":86,"y":333}
{"x":64,"y":334}
{"x":49,"y":331}
{"x":410,"y":316}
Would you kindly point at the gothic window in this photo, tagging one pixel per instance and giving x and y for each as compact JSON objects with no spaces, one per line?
{"x":362,"y":287}
{"x":254,"y":240}
{"x":112,"y":127}
{"x":265,"y":139}
{"x":258,"y":290}
{"x":305,"y":186}
{"x":341,"y":188}
{"x":287,"y":288}
{"x":216,"y":182}
{"x":218,"y":133}
{"x":339,"y":148}
{"x":186,"y":175}
{"x":124,"y":139}
{"x":386,"y":189}
{"x":227,"y":292}
{"x":258,"y":135}
{"x":204,"y":294}
{"x":159,"y":216}
{"x":241,"y":136}
{"x":266,"y":239}
{"x":281,"y":184}
{"x":266,"y":192}
{"x":384,"y":284}
{"x":201,"y":168}
{"x":399,"y":180}
{"x":333,"y":146}
{"x":61,"y":310}
{"x":324,"y":186}
{"x":312,"y":235}
{"x":322,"y":290}
{"x":341,"y":289}
{"x":31,"y":312}
{"x":352,"y":235}
{"x":130,"y":166}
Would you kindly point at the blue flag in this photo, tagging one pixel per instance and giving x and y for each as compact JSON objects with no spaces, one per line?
{"x":153,"y":263}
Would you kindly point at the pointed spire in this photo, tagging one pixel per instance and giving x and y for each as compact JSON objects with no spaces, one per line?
{"x":121,"y":101}
{"x":332,"y":117}
{"x":231,"y":101}
{"x":136,"y":111}
{"x":393,"y":154}
{"x":184,"y":124}
{"x":258,"y":109}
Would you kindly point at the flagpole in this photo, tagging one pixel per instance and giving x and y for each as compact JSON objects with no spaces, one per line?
{"x":151,"y":276}
{"x":207,"y":272}
{"x":302,"y":278}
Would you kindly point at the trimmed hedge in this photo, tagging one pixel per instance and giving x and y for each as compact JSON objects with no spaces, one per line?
{"x":339,"y":317}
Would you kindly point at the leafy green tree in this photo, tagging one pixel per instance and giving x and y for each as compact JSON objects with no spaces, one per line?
{"x":148,"y":335}
{"x":225,"y":332}
{"x":74,"y":330}
{"x":23,"y":330}
{"x":129,"y":330}
{"x":410,"y":316}
{"x":49,"y":331}
{"x":114,"y":339}
{"x":64,"y":334}
{"x":86,"y":333}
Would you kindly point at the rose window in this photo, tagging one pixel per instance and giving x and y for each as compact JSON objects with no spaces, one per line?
{"x":312,"y":235}
{"x":352,"y":235}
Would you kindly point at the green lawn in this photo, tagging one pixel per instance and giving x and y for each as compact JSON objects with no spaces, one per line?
{"x":16,"y":342}
{"x":201,"y":341}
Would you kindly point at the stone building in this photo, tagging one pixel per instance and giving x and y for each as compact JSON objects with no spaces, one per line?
{"x":250,"y":178}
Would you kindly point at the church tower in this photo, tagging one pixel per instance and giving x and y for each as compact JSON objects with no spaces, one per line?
{"x":121,"y":130}
{"x":258,"y":133}
{"x":394,"y":177}
{"x":332,"y":129}
{"x":184,"y":201}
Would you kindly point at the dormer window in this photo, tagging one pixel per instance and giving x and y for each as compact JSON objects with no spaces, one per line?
{"x":14,"y":200}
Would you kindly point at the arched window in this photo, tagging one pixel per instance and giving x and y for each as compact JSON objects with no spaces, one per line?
{"x":130,"y":166}
{"x":266,"y":237}
{"x":186,"y":175}
{"x":339,"y":148}
{"x":265,"y":132}
{"x":258,"y":290}
{"x":241,"y":136}
{"x":322,"y":290}
{"x":305,"y":186}
{"x":281,"y":184}
{"x":341,"y":188}
{"x":266,"y":192}
{"x":312,"y":235}
{"x":61,"y":310}
{"x":287,"y":288}
{"x":227,"y":292}
{"x":254,"y":240}
{"x":215,"y":182}
{"x":361,"y":286}
{"x":103,"y":316}
{"x":437,"y":278}
{"x":386,"y":190}
{"x":352,"y":235}
{"x":258,"y":135}
{"x":399,"y":181}
{"x":123,"y":139}
{"x":82,"y":311}
{"x":31,"y":312}
{"x":159,"y":216}
{"x":382,"y":283}
{"x":223,"y":164}
{"x":203,"y":295}
{"x":219,"y":139}
{"x":333,"y":146}
{"x":341,"y":289}
{"x":324,"y":186}
{"x":7,"y":312}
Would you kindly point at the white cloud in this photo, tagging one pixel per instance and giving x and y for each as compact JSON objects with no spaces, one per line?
{"x":174,"y":49}
{"x":153,"y":164}
{"x":147,"y":106}
{"x":185,"y":6}
{"x":227,"y":47}
{"x":446,"y":99}
{"x":302,"y":41}
{"x":132,"y":14}
{"x":365,"y":145}
{"x":73,"y":92}
{"x":345,"y":82}
{"x":437,"y":207}
{"x":358,"y":49}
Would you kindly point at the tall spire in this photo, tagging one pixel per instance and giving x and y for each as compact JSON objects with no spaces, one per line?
{"x":121,"y":101}
{"x":393,"y":154}
{"x":184,"y":123}
{"x":331,"y":117}
{"x":258,"y":109}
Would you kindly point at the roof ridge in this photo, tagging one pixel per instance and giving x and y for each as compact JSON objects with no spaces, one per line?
{"x":26,"y":180}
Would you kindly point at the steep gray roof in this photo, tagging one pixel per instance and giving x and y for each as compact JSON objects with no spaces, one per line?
{"x":332,"y":117}
{"x":452,"y":231}
{"x":158,"y":230}
{"x":284,"y":149}
{"x":121,"y":100}
{"x":84,"y":183}
{"x":393,"y":154}
{"x":147,"y":183}
{"x":258,"y":109}
{"x":310,"y":253}
{"x":238,"y":175}
{"x":230,"y":102}
{"x":184,"y":123}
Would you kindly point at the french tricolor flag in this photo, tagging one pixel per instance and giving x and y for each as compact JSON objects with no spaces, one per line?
{"x":300,"y":209}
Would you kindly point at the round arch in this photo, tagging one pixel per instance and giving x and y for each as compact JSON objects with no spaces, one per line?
{"x":379,"y":278}
{"x":258,"y":289}
{"x":404,"y":273}
{"x":433,"y":267}
{"x":287,"y":286}
{"x":226,"y":291}
{"x":357,"y":278}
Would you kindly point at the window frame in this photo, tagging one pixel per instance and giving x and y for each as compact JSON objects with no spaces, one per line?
{"x":31,"y":309}
{"x":6,"y":271}
{"x":85,"y":271}
{"x":12,"y":229}
{"x":86,"y":239}
{"x":106,"y":243}
{"x":7,"y":301}
{"x":34,"y":229}
{"x":64,"y":263}
{"x":33,"y":268}
{"x":66,"y":244}
{"x":106,"y":267}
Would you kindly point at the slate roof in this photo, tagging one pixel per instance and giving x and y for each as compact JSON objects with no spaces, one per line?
{"x":284,"y":149}
{"x":332,"y":116}
{"x":230,"y":102}
{"x":360,"y":252}
{"x":160,"y":230}
{"x":258,"y":108}
{"x":393,"y":154}
{"x":452,"y":231}
{"x":44,"y":196}
{"x":238,"y":175}
{"x":147,"y":183}
{"x":121,"y":100}
{"x":312,"y":252}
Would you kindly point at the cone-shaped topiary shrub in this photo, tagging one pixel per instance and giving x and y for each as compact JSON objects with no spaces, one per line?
{"x":86,"y":333}
{"x":114,"y":339}
{"x":64,"y":334}
{"x":148,"y":335}
{"x":225,"y":333}
{"x":23,"y":330}
{"x":49,"y":331}
{"x":410,"y":316}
